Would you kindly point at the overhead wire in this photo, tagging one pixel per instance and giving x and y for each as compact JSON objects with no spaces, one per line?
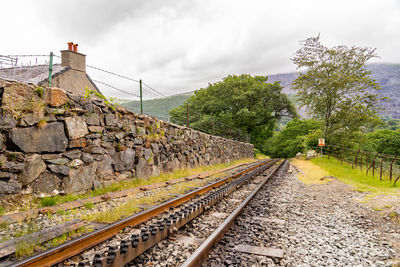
{"x":128,"y":78}
{"x":120,"y":90}
{"x":153,"y":91}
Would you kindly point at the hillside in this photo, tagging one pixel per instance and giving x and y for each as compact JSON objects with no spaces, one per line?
{"x":158,"y":107}
{"x":387,"y":75}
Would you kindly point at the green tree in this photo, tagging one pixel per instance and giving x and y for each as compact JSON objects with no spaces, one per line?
{"x":382,"y":141}
{"x":244,"y":106}
{"x":336,"y":88}
{"x":297,"y":136}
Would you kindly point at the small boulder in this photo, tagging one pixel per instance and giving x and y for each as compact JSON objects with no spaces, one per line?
{"x":80,"y":180}
{"x":33,"y":167}
{"x":56,"y":97}
{"x":76,"y":127}
{"x":143,"y":169}
{"x":311,"y":154}
{"x":76,"y":163}
{"x":10,"y":187}
{"x":92,"y":119}
{"x":124,"y":160}
{"x":105,"y":170}
{"x":80,"y":142}
{"x":60,"y":169}
{"x":46,"y":183}
{"x":48,"y":138}
{"x":7,"y":121}
{"x":147,"y":153}
{"x":96,"y":184}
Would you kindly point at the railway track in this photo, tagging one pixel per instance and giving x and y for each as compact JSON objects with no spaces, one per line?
{"x":159,"y":221}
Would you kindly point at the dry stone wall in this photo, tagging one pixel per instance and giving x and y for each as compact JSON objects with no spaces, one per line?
{"x":55,"y":142}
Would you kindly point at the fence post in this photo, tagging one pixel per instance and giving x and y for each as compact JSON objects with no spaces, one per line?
{"x":341,"y":156}
{"x":373,"y":164}
{"x":391,"y":167}
{"x":395,"y":181}
{"x":380,"y":175}
{"x":187,"y":115}
{"x":141,"y":97}
{"x":355,"y":160}
{"x":50,"y":69}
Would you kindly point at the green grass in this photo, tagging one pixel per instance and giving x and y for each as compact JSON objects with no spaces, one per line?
{"x":2,"y":210}
{"x":357,"y":178}
{"x":48,"y":201}
{"x":133,"y":204}
{"x":135,"y":182}
{"x":89,"y":205}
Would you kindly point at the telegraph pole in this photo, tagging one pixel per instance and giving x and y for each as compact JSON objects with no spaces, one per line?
{"x":141,"y":97}
{"x":187,"y":115}
{"x":50,"y":68}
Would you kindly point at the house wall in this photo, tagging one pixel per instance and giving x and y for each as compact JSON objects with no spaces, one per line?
{"x":74,"y":81}
{"x":61,"y":142}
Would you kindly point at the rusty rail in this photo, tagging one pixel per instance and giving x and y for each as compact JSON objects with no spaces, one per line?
{"x":76,"y":246}
{"x":201,"y":252}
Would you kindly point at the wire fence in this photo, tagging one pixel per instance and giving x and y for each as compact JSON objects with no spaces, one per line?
{"x":13,"y":62}
{"x":384,"y":166}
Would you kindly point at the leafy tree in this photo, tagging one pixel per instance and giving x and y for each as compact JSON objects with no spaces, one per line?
{"x":336,"y":88}
{"x":297,"y":136}
{"x":244,"y":107}
{"x":382,"y":141}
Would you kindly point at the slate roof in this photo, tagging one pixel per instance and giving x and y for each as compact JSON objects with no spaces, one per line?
{"x":31,"y":74}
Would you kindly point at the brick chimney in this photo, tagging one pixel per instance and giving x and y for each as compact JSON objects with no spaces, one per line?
{"x":71,"y":58}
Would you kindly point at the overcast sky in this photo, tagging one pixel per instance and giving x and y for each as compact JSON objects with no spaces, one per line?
{"x":180,"y":46}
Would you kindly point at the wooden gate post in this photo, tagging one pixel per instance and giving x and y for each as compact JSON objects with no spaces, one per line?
{"x":355,"y":160}
{"x":380,"y":175}
{"x":391,"y":167}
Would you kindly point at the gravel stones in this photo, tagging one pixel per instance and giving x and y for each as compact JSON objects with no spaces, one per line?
{"x":324,"y":226}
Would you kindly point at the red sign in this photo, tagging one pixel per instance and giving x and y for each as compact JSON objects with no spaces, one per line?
{"x":321,"y":142}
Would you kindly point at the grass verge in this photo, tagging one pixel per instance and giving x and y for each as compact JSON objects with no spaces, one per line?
{"x":133,"y":204}
{"x":135,"y":182}
{"x":355,"y":177}
{"x":310,"y":172}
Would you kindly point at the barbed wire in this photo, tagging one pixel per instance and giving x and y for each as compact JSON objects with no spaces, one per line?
{"x":153,"y":89}
{"x":120,"y":90}
{"x":103,"y":70}
{"x":29,"y":55}
{"x":126,"y":77}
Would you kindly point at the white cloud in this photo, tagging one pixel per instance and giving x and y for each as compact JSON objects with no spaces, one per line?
{"x":178,"y":46}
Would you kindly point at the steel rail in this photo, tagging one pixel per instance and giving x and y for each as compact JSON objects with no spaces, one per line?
{"x":202,"y":252}
{"x":80,"y":244}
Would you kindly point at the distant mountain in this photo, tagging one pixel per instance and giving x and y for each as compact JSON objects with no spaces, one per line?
{"x":387,"y":75}
{"x":158,"y":107}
